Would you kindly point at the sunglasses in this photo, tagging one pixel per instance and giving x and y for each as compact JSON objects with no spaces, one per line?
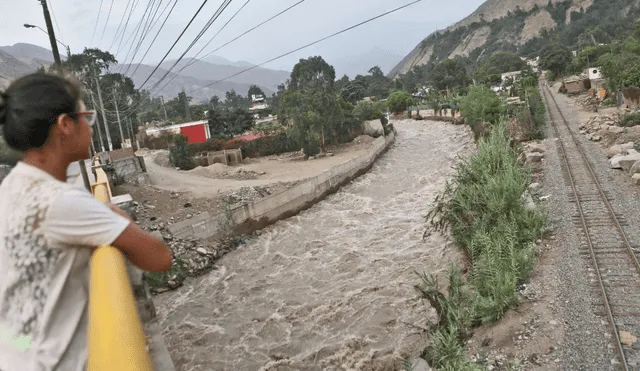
{"x":89,"y":115}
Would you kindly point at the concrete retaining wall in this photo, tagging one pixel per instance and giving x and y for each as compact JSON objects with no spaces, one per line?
{"x":256,"y":215}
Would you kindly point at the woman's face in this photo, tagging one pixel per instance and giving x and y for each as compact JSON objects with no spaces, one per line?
{"x":77,"y":134}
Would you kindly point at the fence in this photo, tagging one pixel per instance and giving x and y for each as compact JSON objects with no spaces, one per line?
{"x":116,"y":337}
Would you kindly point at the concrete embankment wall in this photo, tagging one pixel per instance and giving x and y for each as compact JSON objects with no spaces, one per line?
{"x":258,"y":214}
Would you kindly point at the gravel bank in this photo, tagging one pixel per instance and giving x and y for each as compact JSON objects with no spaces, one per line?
{"x":587,"y":345}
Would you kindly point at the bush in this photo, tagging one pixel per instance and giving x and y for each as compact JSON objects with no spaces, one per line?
{"x":179,"y":154}
{"x":491,"y":224}
{"x":630,"y":119}
{"x":482,"y":105}
{"x":366,"y":111}
{"x":267,"y":146}
{"x":399,"y":101}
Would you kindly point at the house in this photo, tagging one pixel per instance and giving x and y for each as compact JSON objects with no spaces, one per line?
{"x":510,"y":75}
{"x":196,"y":131}
{"x":596,"y":78}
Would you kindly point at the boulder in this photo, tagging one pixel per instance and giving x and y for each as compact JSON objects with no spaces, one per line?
{"x":626,"y":162}
{"x":630,"y":151}
{"x":534,"y":157}
{"x":636,"y":179}
{"x":596,"y":138}
{"x":635,"y":169}
{"x":618,"y":148}
{"x":615,"y":129}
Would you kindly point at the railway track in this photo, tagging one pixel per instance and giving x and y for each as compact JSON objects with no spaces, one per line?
{"x":604,"y":243}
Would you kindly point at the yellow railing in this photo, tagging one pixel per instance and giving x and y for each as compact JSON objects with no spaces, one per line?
{"x":116,"y":336}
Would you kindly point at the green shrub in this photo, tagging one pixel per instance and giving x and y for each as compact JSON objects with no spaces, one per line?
{"x":490,"y":222}
{"x":366,"y":111}
{"x":481,"y":105}
{"x":630,"y":119}
{"x":399,"y":101}
{"x":179,"y":154}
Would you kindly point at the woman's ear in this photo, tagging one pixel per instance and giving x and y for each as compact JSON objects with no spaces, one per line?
{"x":64,"y":123}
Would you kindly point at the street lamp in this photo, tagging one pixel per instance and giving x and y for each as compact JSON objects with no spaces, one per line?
{"x":26,"y":25}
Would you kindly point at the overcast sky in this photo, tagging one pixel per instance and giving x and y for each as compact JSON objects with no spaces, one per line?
{"x":309,"y":21}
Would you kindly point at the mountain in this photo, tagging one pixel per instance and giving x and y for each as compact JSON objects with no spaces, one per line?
{"x":30,"y":51}
{"x":360,"y":64}
{"x":263,"y":77}
{"x":11,"y":67}
{"x":524,"y":26}
{"x":215,"y":59}
{"x":183,"y":81}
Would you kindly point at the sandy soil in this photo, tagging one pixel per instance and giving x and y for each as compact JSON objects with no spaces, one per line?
{"x":264,"y":171}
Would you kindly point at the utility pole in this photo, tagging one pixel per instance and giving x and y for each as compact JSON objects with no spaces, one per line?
{"x":93,"y":101}
{"x":115,"y":102}
{"x":52,"y":36}
{"x":164,"y":108}
{"x":104,"y":115}
{"x":132,"y":134}
{"x":56,"y":59}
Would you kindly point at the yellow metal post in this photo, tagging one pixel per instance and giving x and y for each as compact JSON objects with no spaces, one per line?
{"x":116,"y":336}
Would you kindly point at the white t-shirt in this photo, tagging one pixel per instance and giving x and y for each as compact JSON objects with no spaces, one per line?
{"x":47,"y":229}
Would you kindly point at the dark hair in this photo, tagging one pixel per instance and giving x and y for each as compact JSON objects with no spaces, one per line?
{"x":31,"y":105}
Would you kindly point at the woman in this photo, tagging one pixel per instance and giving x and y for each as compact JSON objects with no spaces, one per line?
{"x":48,"y":228}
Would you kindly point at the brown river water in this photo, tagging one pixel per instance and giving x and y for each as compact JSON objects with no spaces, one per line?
{"x":330,"y":288}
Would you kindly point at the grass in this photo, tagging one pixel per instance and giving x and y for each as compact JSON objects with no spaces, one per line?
{"x":630,"y":119}
{"x":489,"y":221}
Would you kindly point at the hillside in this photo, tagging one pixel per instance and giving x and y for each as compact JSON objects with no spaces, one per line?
{"x":523,"y":26}
{"x":11,"y":67}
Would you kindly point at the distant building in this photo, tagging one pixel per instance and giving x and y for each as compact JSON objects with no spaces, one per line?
{"x":196,"y":131}
{"x":594,"y":73}
{"x":510,"y":75}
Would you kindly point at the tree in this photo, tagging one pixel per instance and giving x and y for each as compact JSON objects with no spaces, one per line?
{"x":481,"y":105}
{"x":450,"y":74}
{"x":556,"y":58}
{"x":226,"y":123}
{"x":399,"y":101}
{"x":179,"y":154}
{"x":233,"y":99}
{"x":214,"y":101}
{"x":255,"y":90}
{"x":499,"y":63}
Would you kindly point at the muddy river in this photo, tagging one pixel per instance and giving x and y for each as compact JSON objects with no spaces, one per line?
{"x":331,"y":288}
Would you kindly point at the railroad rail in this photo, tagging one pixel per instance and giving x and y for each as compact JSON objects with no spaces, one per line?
{"x":604,"y":241}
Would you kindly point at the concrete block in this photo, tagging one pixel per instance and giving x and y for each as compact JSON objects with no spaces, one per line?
{"x":200,"y":226}
{"x":618,"y":148}
{"x":627,"y":161}
{"x":636,"y":179}
{"x":158,"y":352}
{"x":635,"y":168}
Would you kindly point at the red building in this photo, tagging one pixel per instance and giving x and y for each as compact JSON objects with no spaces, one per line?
{"x":195,"y":132}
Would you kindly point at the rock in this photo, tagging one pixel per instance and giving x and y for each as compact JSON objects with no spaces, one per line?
{"x":626,"y":162}
{"x":534,"y":186}
{"x":629,"y":151}
{"x":528,"y":200}
{"x":553,"y":323}
{"x":615,"y":161}
{"x":635,"y":169}
{"x":419,"y":364}
{"x":534,"y":157}
{"x":636,"y":179}
{"x":188,"y":204}
{"x":596,"y":138}
{"x":202,"y":251}
{"x":618,"y":148}
{"x":615,"y":129}
{"x":535,"y":147}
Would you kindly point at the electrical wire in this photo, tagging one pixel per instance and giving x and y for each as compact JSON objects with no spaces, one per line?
{"x":124,"y":15}
{"x":55,"y":20}
{"x":106,"y":23}
{"x":194,"y":58}
{"x":95,"y":26}
{"x":174,"y":44}
{"x":146,"y":18}
{"x":310,"y":44}
{"x":253,"y":28}
{"x":154,"y":39}
{"x":151,"y":22}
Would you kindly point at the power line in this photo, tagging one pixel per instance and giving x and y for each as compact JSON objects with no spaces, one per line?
{"x":106,"y":23}
{"x":55,"y":21}
{"x":253,"y":28}
{"x":95,"y":26}
{"x":295,"y":50}
{"x":124,"y":15}
{"x":310,"y":44}
{"x":174,"y":44}
{"x":194,"y":58}
{"x":146,"y":29}
{"x":154,"y":38}
{"x":134,"y":34}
